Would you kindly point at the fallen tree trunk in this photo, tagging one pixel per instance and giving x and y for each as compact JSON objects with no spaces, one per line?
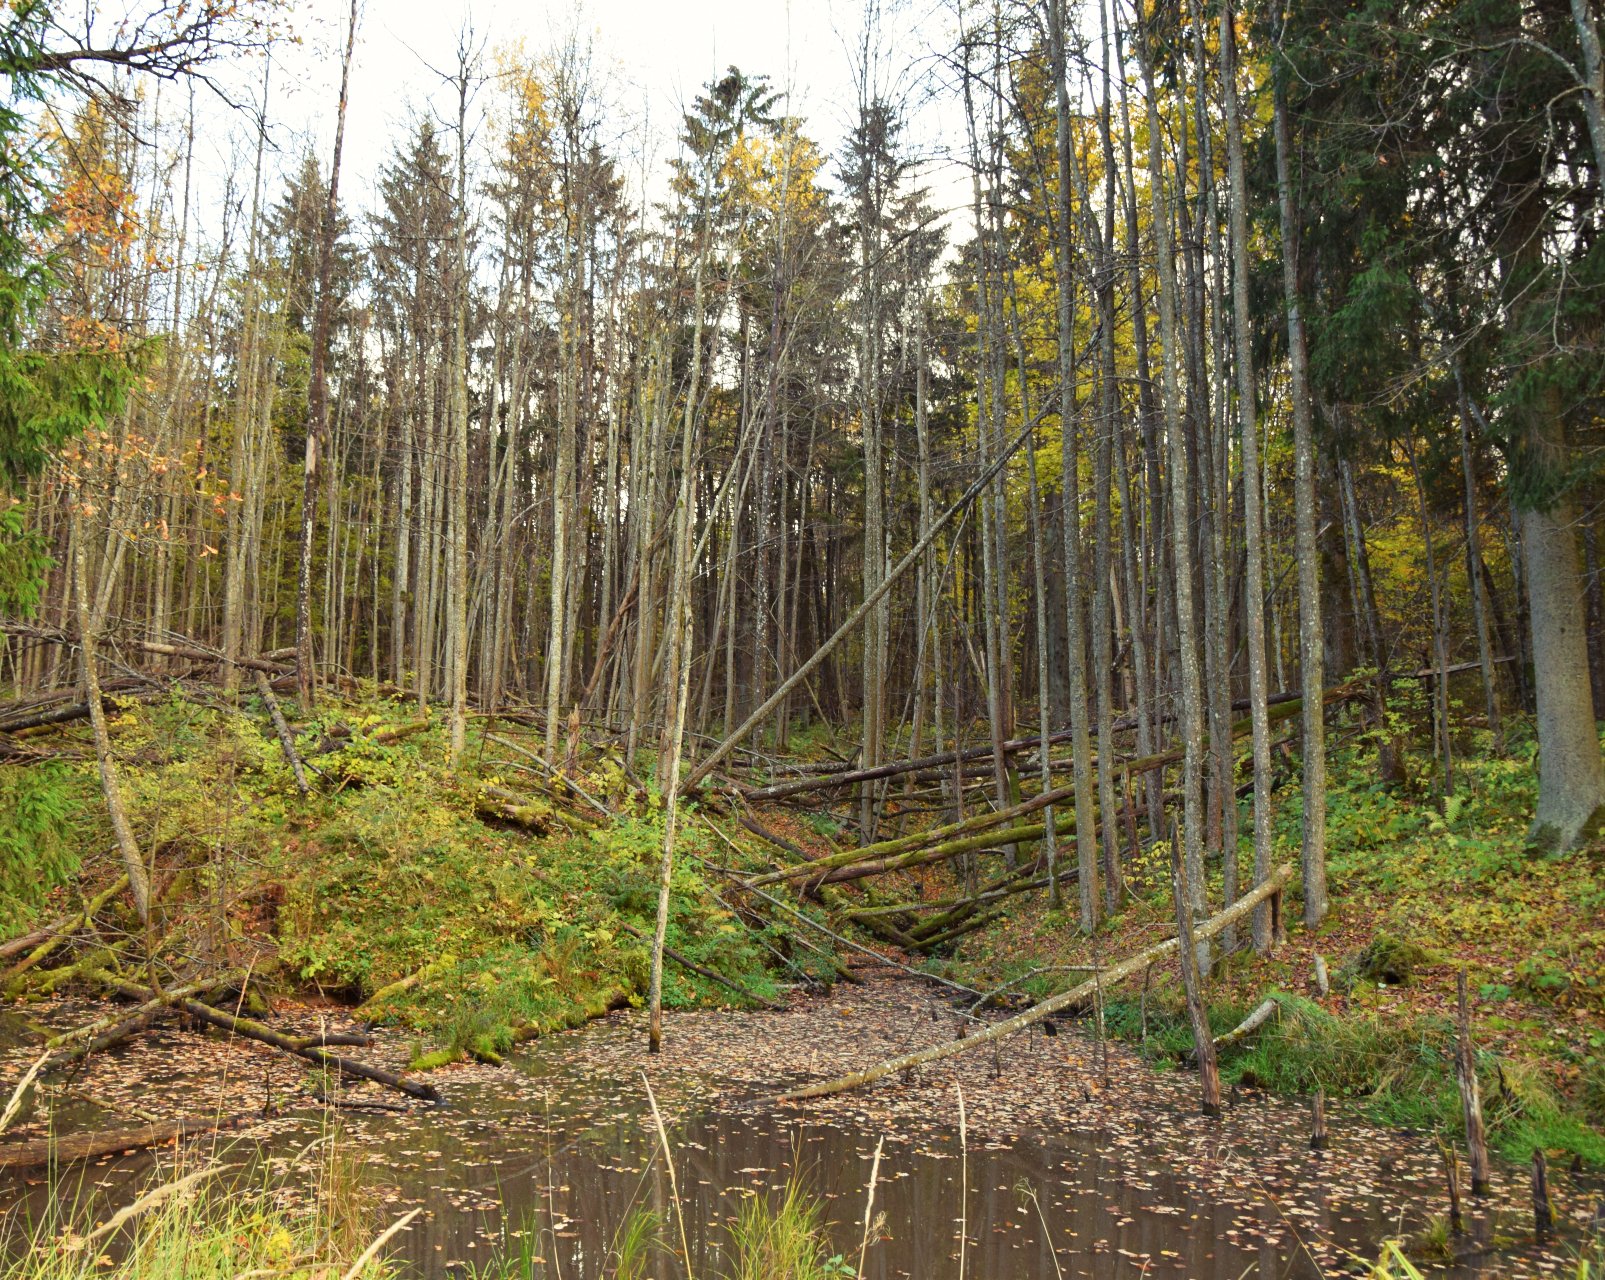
{"x":985,"y":821}
{"x":192,"y":651}
{"x":891,"y":850}
{"x":998,"y":840}
{"x":78,"y":710}
{"x":57,"y":935}
{"x":966,"y":924}
{"x":300,"y":1046}
{"x":106,"y":1142}
{"x":281,"y":726}
{"x":844,"y":777}
{"x":501,"y":805}
{"x":12,"y":946}
{"x":1249,"y":1025}
{"x":433,"y":969}
{"x":1004,"y":887}
{"x":1077,"y":994}
{"x":115,"y":1026}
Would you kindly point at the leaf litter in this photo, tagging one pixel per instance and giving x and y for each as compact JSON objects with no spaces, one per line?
{"x":1122,"y":1178}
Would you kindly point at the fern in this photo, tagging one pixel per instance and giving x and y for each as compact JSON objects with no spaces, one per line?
{"x":36,"y":808}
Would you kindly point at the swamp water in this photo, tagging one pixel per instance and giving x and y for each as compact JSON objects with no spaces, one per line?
{"x":560,"y":1147}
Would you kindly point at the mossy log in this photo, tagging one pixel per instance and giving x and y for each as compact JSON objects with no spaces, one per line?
{"x":957,"y":930}
{"x":61,"y":932}
{"x":999,"y":839}
{"x":402,"y":985}
{"x":503,"y":805}
{"x":1249,"y":1025}
{"x":114,"y":1027}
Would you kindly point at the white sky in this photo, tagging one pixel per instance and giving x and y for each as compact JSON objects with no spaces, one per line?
{"x":661,"y":54}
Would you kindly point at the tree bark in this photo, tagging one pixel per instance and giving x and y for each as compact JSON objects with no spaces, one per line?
{"x":1312,"y":848}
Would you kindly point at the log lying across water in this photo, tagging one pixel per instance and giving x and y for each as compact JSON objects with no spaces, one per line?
{"x":306,"y":1047}
{"x":1238,"y":911}
{"x":107,"y":1142}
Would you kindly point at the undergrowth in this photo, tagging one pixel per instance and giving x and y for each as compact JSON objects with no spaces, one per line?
{"x":389,"y":878}
{"x":1418,"y":892}
{"x":38,"y":807}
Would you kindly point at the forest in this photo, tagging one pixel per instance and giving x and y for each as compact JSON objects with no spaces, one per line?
{"x":1079,"y":596}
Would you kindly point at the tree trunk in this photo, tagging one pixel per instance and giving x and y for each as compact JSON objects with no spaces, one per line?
{"x":1312,"y":854}
{"x":317,"y":390}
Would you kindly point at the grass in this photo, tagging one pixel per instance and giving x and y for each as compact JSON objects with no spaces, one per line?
{"x":206,"y":1224}
{"x":782,"y":1238}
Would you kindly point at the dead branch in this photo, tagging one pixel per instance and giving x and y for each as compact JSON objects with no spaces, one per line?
{"x":1076,"y":995}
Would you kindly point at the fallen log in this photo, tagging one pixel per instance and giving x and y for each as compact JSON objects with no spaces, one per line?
{"x":431,"y":970}
{"x":1249,"y":1025}
{"x":395,"y":734}
{"x":79,"y":710}
{"x":1078,"y":994}
{"x":827,"y":778}
{"x":501,"y":805}
{"x":547,"y":771}
{"x":111,"y":1028}
{"x":59,"y":935}
{"x":39,"y":1152}
{"x":298,"y":1045}
{"x":22,"y":942}
{"x":956,"y":931}
{"x":993,"y":841}
{"x":191,"y":650}
{"x":891,"y":850}
{"x":281,"y":726}
{"x":978,"y":822}
{"x":1006,"y":886}
{"x":808,"y":920}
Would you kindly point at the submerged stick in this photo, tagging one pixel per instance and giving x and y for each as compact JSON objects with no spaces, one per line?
{"x":1064,"y":1000}
{"x":1451,"y":1173}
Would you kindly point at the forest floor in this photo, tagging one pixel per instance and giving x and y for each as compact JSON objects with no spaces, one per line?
{"x":1418,"y":895}
{"x":469,"y":910}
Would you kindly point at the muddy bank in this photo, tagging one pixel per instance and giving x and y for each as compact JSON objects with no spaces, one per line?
{"x":1102,"y":1179}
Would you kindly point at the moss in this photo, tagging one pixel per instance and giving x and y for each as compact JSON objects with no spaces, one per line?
{"x":1385,"y":959}
{"x":429,"y":1060}
{"x":388,"y":885}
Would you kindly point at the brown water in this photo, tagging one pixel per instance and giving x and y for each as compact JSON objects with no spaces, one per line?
{"x":560,"y":1148}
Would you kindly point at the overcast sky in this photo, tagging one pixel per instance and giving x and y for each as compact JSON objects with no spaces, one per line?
{"x":660,"y":54}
